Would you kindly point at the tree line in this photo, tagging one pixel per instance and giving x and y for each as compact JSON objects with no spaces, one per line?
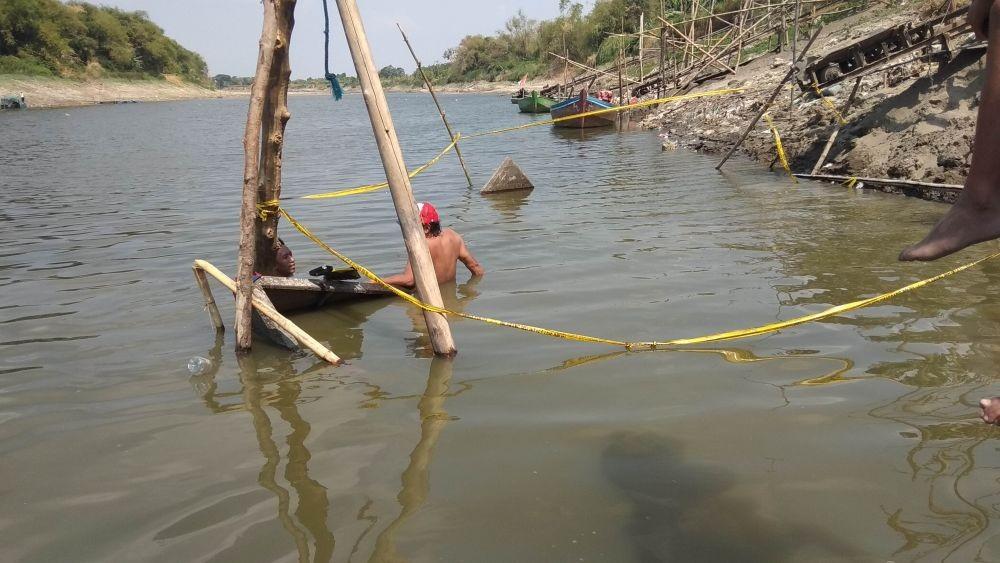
{"x":522,"y":47}
{"x":47,"y":37}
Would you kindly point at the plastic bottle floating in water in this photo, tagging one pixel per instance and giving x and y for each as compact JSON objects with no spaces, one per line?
{"x":198,"y":365}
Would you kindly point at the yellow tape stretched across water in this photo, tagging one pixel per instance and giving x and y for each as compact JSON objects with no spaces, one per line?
{"x":652,"y":345}
{"x":375,"y":187}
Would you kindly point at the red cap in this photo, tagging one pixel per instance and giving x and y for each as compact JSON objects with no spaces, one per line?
{"x":428,"y":214}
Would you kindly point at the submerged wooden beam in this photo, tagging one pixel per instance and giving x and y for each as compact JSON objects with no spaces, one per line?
{"x":301,"y":336}
{"x":206,"y":294}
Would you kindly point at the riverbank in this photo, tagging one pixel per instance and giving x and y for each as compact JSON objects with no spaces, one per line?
{"x":49,"y":92}
{"x":914,"y":122}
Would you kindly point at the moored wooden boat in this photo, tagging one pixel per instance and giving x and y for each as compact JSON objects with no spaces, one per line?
{"x":579,"y":105}
{"x":297,"y":294}
{"x":535,"y":103}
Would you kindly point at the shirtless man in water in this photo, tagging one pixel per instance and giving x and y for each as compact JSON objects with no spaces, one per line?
{"x":975,"y":217}
{"x":447,"y":249}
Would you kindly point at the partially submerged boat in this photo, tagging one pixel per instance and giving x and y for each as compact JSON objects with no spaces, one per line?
{"x":290,"y":295}
{"x":581,"y":105}
{"x":535,"y":103}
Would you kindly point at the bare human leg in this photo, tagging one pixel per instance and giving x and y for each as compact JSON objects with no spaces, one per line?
{"x":975,"y":217}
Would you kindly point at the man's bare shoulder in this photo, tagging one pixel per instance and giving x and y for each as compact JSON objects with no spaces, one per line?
{"x":451,"y":236}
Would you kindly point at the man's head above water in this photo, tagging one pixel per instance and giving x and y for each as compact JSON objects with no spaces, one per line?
{"x":429,"y":218}
{"x":284,"y":261}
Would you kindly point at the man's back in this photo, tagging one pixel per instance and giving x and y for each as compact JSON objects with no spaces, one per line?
{"x":446,"y":249}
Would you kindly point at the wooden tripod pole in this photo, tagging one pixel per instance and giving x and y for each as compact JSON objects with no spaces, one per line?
{"x":251,"y":177}
{"x":396,"y":174}
{"x":430,"y":88}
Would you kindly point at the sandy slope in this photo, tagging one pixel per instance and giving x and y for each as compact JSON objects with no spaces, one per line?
{"x":914,"y":122}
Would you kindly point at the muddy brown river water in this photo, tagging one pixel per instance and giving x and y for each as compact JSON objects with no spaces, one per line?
{"x":851,"y":439}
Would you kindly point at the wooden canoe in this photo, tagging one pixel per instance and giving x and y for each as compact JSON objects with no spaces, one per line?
{"x":297,"y":294}
{"x":582,"y":104}
{"x":535,"y":104}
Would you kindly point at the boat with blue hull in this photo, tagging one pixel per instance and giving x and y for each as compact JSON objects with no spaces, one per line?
{"x":582,"y":105}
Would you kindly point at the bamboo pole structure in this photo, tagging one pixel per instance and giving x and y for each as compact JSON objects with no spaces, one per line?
{"x":444,"y":118}
{"x":301,"y":336}
{"x":767,"y":105}
{"x":663,"y":59}
{"x":836,"y":129}
{"x":591,"y":69}
{"x":206,"y":293}
{"x":711,"y":58}
{"x":396,"y":174}
{"x":251,"y":176}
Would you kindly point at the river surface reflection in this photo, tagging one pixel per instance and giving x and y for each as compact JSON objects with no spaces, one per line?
{"x":851,"y":439}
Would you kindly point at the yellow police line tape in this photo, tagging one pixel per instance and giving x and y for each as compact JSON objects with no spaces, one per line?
{"x":780,"y":147}
{"x":376,"y":187}
{"x":433,"y":161}
{"x":653,"y":345}
{"x":829,"y":104}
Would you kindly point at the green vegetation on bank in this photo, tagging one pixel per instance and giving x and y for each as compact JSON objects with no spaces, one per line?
{"x":594,"y":38}
{"x":392,"y":76}
{"x":75,"y":40}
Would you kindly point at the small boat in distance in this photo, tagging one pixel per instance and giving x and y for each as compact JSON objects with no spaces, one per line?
{"x":583,"y":104}
{"x":535,"y":103}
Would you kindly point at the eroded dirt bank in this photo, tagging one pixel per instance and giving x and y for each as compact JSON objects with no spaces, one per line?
{"x":914,"y":121}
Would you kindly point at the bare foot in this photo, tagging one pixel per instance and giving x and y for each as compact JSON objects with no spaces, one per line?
{"x":989,"y":410}
{"x":966,"y":223}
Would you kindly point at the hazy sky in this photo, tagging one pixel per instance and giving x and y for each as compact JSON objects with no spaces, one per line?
{"x":226,"y":32}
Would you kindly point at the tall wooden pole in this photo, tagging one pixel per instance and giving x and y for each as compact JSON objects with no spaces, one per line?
{"x":396,"y":174}
{"x":430,"y":88}
{"x":275,"y":118}
{"x":251,"y":175}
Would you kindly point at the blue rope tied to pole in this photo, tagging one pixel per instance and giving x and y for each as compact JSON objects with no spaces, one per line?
{"x":338,"y":92}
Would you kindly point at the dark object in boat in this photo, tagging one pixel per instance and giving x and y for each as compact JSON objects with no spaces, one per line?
{"x":296,"y":294}
{"x":328,"y":273}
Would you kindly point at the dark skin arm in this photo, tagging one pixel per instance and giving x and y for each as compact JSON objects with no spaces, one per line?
{"x":402,"y":280}
{"x":470,"y":261}
{"x":979,"y":17}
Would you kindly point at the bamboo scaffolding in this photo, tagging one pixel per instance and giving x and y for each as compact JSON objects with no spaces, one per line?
{"x":444,"y":118}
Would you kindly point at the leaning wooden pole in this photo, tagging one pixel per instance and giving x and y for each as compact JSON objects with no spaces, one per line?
{"x":836,"y":129}
{"x":767,"y":105}
{"x":251,"y":178}
{"x":444,"y":118}
{"x":396,"y":174}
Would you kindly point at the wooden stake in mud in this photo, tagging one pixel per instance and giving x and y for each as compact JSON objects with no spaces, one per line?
{"x":770,"y":100}
{"x":396,"y":174}
{"x":836,"y":129}
{"x":271,"y":39}
{"x":430,"y":88}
